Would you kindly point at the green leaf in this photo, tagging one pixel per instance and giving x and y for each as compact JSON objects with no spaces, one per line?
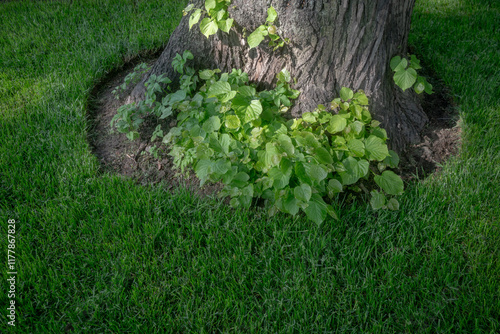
{"x":324,"y":117}
{"x":334,"y":186}
{"x":357,"y":147}
{"x":286,"y":167}
{"x":331,"y":211}
{"x":245,"y":201}
{"x":415,"y":63}
{"x":206,"y":74}
{"x":300,"y":172}
{"x":188,"y":9}
{"x":361,"y":98}
{"x":323,"y":156}
{"x":346,"y":94}
{"x":290,"y":205}
{"x":220,"y":15}
{"x":358,"y":127}
{"x":375,"y":148}
{"x":284,"y":76}
{"x":335,"y":104}
{"x":221,"y":166}
{"x":337,"y":124}
{"x":253,"y":111}
{"x":395,"y":62}
{"x":227,"y":97}
{"x":256,"y":37}
{"x":225,"y":141}
{"x":379,"y":132}
{"x":203,"y":151}
{"x":203,"y":168}
{"x":419,"y":87}
{"x":286,"y":144}
{"x":344,"y":106}
{"x":132,"y":135}
{"x":315,"y":172}
{"x":403,"y":63}
{"x":366,"y":116}
{"x":234,"y":203}
{"x":309,"y":117}
{"x":219,"y":145}
{"x":357,"y":110}
{"x":208,"y":27}
{"x":248,"y":191}
{"x":303,"y":192}
{"x":428,"y":87}
{"x":210,"y":4}
{"x":165,"y":112}
{"x":271,"y":156}
{"x":225,"y":25}
{"x":240,"y":179}
{"x":219,"y":88}
{"x":194,"y":18}
{"x":307,"y":139}
{"x":339,"y":167}
{"x":392,"y":160}
{"x":266,"y":182}
{"x":393,"y":204}
{"x":247,"y":91}
{"x":247,"y":109}
{"x":280,"y":179}
{"x":390,"y":183}
{"x":422,"y":85}
{"x":377,"y":200}
{"x":232,"y":122}
{"x":277,"y":128}
{"x":178,"y":96}
{"x":354,"y":170}
{"x":316,"y":210}
{"x":212,"y":124}
{"x":273,"y":210}
{"x":271,"y":14}
{"x":196,"y":131}
{"x":405,"y":78}
{"x":187,"y":55}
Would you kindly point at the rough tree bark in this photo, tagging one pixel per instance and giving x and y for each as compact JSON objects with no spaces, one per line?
{"x":334,"y":43}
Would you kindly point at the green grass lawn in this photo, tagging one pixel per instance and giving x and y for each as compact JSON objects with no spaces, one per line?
{"x":97,"y":253}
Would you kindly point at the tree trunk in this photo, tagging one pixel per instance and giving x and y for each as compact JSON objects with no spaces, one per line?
{"x":333,"y":43}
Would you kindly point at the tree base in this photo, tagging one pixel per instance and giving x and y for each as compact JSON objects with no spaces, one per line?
{"x":332,"y":45}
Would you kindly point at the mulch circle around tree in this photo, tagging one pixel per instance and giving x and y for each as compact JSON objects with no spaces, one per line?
{"x":117,"y":154}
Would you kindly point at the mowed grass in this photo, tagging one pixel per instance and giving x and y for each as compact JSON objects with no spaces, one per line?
{"x":97,"y":253}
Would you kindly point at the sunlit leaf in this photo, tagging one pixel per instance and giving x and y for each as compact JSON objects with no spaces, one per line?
{"x":208,"y":27}
{"x":390,"y":182}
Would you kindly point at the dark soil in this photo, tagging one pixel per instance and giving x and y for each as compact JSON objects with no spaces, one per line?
{"x":441,"y":137}
{"x":117,"y":154}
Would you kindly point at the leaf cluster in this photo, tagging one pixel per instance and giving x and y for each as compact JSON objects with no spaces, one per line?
{"x":405,"y":74}
{"x":217,"y":17}
{"x":267,"y":29}
{"x":131,"y":79}
{"x":130,"y":116}
{"x":229,"y":132}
